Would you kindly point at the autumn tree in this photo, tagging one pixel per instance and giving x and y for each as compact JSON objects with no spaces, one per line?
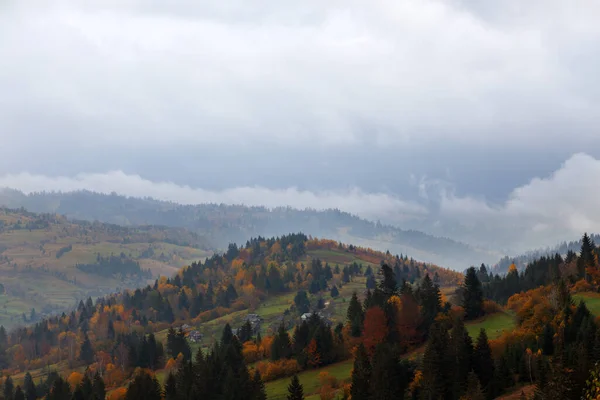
{"x":472,"y":295}
{"x":375,"y":328}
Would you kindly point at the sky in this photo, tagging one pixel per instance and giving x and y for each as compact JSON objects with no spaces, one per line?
{"x":475,"y":120}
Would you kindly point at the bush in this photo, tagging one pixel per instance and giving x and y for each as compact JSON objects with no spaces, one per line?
{"x":270,"y":371}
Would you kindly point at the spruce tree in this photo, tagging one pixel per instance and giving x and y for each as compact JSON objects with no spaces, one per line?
{"x":388,"y":285}
{"x":86,"y":353}
{"x":259,"y":391}
{"x":483,"y":364}
{"x":361,"y":375}
{"x":19,"y":395}
{"x":29,"y":387}
{"x":461,"y":357}
{"x":474,"y":391}
{"x":472,"y":295}
{"x":389,"y":378}
{"x":98,"y":387}
{"x":435,"y":363}
{"x":9,"y":388}
{"x":60,"y":390}
{"x":295,"y":389}
{"x":355,"y":316}
{"x":144,"y":387}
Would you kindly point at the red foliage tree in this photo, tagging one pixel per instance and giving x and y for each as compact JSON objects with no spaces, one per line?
{"x":375,"y":328}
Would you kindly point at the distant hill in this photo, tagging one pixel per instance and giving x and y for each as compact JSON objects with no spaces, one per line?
{"x":223,"y":224}
{"x":48,"y":262}
{"x":521,"y":261}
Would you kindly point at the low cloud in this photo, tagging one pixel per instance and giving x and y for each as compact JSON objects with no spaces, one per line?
{"x":541,"y":213}
{"x":546,"y":210}
{"x":368,"y":205}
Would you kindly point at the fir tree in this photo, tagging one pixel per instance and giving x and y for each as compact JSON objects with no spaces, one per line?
{"x":60,"y":390}
{"x":19,"y":395}
{"x":295,"y":389}
{"x":144,"y":387}
{"x":474,"y":391}
{"x":389,"y":378}
{"x":435,"y":362}
{"x":29,"y":387}
{"x":86,"y":353}
{"x":483,"y":364}
{"x":461,"y":356}
{"x":361,"y":375}
{"x":9,"y":388}
{"x":259,"y":390}
{"x":98,"y":387}
{"x":355,"y":316}
{"x":472,"y":295}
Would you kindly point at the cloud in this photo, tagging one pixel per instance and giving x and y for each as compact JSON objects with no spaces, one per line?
{"x":546,"y":210}
{"x":560,"y":206}
{"x":146,"y":73}
{"x":369,"y":205}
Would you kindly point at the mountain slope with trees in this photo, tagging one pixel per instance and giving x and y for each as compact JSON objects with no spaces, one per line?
{"x":48,"y":262}
{"x":225,"y":224}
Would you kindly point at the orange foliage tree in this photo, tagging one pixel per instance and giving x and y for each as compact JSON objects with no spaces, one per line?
{"x":375,"y":328}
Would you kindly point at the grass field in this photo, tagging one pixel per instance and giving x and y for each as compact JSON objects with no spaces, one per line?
{"x":277,"y":390}
{"x":591,"y":299}
{"x":494,"y":325}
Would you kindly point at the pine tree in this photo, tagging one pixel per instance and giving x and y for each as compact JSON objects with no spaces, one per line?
{"x":461,"y":356}
{"x":361,"y":375}
{"x":258,"y":387}
{"x":144,"y":387}
{"x":586,"y":256}
{"x":9,"y":388}
{"x":86,"y":353}
{"x":430,"y":299}
{"x":483,"y":364}
{"x":472,"y":295}
{"x":29,"y":387}
{"x":435,"y":361}
{"x":355,"y":316}
{"x":388,"y":285}
{"x":295,"y":389}
{"x":334,"y":292}
{"x":19,"y":395}
{"x":389,"y":378}
{"x":474,"y":391}
{"x":281,"y":347}
{"x":60,"y":390}
{"x":98,"y":387}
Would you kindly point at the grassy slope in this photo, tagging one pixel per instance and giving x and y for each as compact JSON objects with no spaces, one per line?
{"x":34,"y":278}
{"x":494,"y":325}
{"x":592,"y":301}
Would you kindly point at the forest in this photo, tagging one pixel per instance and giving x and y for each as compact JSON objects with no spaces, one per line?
{"x":405,"y":335}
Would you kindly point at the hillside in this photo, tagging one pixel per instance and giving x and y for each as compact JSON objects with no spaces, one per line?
{"x":277,"y":279}
{"x":521,"y":261}
{"x":224,"y":224}
{"x":48,"y":262}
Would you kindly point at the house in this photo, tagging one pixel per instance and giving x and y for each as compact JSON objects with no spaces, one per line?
{"x":185,"y":327}
{"x":194,"y":336}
